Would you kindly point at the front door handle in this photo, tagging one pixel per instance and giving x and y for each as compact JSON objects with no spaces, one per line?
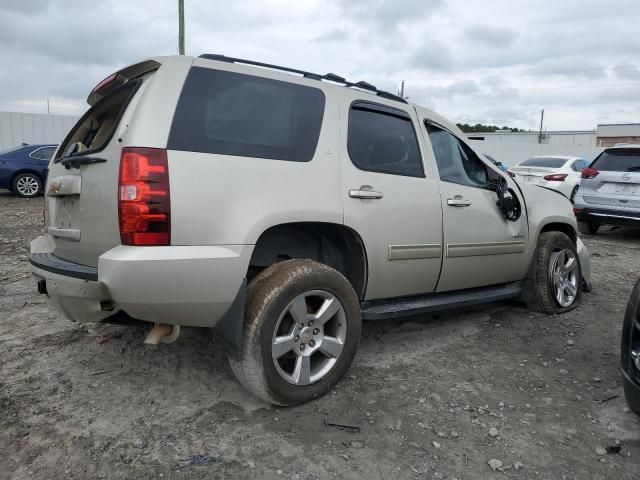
{"x":365,"y":192}
{"x":458,"y":201}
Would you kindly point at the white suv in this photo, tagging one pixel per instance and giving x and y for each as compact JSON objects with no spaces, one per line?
{"x":281,"y":207}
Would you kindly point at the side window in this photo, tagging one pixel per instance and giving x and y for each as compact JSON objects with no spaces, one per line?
{"x":579,"y":165}
{"x":36,"y":154}
{"x":230,"y":113}
{"x":457,"y":163}
{"x":383,"y":140}
{"x":45,"y":153}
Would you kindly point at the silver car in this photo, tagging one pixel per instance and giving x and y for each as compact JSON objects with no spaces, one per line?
{"x":609,"y":192}
{"x":280,"y":208}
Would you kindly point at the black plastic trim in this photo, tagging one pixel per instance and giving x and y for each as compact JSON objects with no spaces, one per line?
{"x":437,"y":301}
{"x":331,"y":77}
{"x":53,"y":264}
{"x":230,"y":327}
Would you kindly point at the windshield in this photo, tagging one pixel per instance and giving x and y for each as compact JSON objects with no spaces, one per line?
{"x":548,"y":162}
{"x":622,"y":160}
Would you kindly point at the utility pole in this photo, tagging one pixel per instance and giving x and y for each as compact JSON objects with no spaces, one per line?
{"x":541,"y":120}
{"x":48,"y":110}
{"x":181,"y":27}
{"x":402,"y":89}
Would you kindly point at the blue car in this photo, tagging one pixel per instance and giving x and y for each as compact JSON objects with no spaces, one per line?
{"x":23,"y":169}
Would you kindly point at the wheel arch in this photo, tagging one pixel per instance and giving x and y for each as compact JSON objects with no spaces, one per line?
{"x":333,"y":244}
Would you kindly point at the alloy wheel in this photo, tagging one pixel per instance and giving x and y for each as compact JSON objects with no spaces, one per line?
{"x":563,"y":273}
{"x":309,"y":337}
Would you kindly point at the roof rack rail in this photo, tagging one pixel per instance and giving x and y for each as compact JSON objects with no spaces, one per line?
{"x":330,"y":77}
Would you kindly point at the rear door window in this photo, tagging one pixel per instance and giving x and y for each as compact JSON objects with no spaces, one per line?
{"x":44,"y":153}
{"x":382,"y":139}
{"x":619,"y":160}
{"x":230,"y":113}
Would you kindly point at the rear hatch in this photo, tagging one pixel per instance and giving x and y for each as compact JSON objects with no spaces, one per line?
{"x":615,"y":179}
{"x":81,"y":196}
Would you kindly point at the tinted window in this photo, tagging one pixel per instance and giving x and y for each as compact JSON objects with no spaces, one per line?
{"x":44,"y":153}
{"x":547,"y":162}
{"x":457,"y":163}
{"x":383,"y":140}
{"x":234,"y":114}
{"x":619,"y":160}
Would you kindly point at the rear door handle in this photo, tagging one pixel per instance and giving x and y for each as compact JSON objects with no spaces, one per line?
{"x":365,"y":192}
{"x":458,"y":201}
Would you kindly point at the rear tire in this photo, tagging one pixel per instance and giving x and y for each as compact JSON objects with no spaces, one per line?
{"x":26,"y":185}
{"x":588,"y":228}
{"x":279,"y":361}
{"x":558,"y":277}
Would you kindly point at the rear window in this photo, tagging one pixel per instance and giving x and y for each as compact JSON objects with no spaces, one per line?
{"x":230,"y":113}
{"x":547,"y":162}
{"x":622,"y":160}
{"x":94,"y":130}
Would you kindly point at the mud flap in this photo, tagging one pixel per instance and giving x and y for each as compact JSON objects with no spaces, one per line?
{"x":229,"y":328}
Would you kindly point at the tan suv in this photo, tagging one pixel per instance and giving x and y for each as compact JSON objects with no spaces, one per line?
{"x":281,"y":207}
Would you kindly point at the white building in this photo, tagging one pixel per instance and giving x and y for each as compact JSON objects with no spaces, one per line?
{"x":17,"y":128}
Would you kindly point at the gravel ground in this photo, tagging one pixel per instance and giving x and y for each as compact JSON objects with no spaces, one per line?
{"x":442,"y":397}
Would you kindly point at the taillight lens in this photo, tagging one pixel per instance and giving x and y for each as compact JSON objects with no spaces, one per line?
{"x":589,"y":173}
{"x":556,"y":177}
{"x":144,"y":204}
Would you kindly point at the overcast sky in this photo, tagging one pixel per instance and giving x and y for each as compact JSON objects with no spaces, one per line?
{"x":488,"y":61}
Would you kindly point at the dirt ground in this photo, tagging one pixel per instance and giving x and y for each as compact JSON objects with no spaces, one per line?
{"x":432,"y":397}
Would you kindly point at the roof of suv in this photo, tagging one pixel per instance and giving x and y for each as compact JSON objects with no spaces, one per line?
{"x":329,"y":80}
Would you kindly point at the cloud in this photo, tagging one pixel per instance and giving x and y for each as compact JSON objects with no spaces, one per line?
{"x":464,"y":58}
{"x":498,"y":37}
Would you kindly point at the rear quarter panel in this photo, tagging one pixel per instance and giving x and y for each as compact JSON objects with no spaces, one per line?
{"x":231,"y":200}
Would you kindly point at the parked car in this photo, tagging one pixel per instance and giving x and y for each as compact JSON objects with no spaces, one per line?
{"x":630,"y":351}
{"x":610,"y":190}
{"x":281,"y":210}
{"x":498,"y":164}
{"x":558,"y":173}
{"x":23,"y":169}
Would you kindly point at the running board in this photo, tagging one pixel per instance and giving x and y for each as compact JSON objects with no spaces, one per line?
{"x":434,"y":302}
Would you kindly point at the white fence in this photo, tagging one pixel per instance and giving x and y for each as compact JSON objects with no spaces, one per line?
{"x":16,"y":128}
{"x":513,"y":153}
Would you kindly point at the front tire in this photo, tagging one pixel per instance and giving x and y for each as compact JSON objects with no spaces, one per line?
{"x":26,"y":185}
{"x":301,"y":332}
{"x":558,"y":277}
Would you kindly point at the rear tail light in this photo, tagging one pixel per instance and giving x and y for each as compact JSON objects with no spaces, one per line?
{"x":577,"y":211}
{"x":589,"y":173}
{"x":144,"y":204}
{"x":556,"y":177}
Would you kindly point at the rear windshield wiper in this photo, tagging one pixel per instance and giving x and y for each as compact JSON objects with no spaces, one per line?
{"x":76,"y":161}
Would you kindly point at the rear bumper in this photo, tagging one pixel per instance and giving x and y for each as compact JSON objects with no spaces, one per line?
{"x":623,"y":218}
{"x":178,"y":285}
